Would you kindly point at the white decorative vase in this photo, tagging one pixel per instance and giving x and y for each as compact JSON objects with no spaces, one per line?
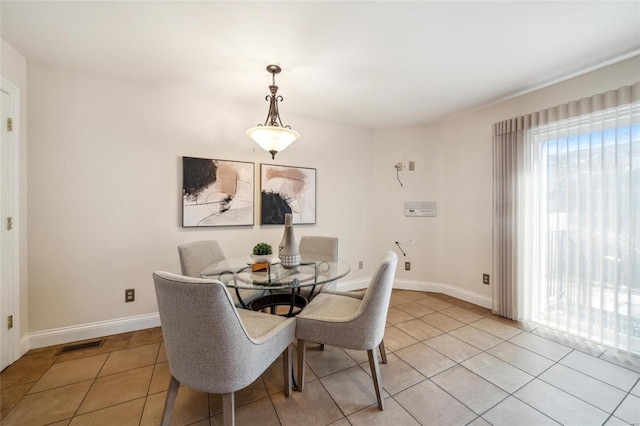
{"x":289,"y":254}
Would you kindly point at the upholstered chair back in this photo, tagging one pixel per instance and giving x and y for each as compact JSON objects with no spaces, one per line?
{"x":196,"y":256}
{"x":207,"y":346}
{"x":319,"y":246}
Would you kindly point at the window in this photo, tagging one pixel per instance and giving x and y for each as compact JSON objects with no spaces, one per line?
{"x":579,"y":216}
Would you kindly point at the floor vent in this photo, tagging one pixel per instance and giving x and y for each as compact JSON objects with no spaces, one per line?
{"x":79,"y":346}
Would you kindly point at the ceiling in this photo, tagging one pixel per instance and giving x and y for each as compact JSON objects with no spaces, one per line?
{"x":370,"y":64}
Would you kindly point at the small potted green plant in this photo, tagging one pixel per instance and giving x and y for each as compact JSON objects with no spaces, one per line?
{"x":262,"y":253}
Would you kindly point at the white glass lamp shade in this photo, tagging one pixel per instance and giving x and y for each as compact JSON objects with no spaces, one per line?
{"x":273,"y":138}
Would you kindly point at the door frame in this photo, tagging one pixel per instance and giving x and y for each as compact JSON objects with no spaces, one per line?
{"x":11,"y":290}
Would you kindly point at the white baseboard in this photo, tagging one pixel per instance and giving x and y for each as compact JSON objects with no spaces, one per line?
{"x":449,"y":290}
{"x":58,"y":336}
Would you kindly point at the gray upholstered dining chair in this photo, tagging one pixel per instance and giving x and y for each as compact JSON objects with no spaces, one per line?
{"x":211,"y":345}
{"x":197,"y":255}
{"x":350,"y":320}
{"x":318,"y":247}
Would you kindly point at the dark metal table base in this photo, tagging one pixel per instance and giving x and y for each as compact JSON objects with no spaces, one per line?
{"x":272,"y":301}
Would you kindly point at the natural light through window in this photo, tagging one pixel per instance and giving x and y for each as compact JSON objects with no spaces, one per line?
{"x":580,"y":212}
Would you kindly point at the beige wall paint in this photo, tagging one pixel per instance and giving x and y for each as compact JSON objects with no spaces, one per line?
{"x":13,"y":67}
{"x":459,"y":152}
{"x":105,"y":183}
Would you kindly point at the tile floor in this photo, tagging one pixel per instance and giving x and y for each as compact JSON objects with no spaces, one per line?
{"x":450,"y":363}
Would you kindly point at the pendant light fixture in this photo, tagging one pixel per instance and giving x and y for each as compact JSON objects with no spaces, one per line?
{"x":273,"y":136}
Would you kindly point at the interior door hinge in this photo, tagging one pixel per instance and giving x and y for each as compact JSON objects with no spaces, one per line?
{"x":10,"y":321}
{"x":9,"y":223}
{"x":10,"y":124}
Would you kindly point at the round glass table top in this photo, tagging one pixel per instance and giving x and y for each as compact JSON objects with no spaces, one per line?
{"x":238,"y":273}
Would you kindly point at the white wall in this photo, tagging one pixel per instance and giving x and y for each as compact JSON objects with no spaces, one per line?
{"x":105,"y":189}
{"x":13,"y":67}
{"x":454,"y":249}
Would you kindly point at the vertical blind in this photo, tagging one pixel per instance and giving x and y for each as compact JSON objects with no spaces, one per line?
{"x":566,"y":236}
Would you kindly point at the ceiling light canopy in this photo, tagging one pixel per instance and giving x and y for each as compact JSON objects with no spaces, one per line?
{"x":273,"y":136}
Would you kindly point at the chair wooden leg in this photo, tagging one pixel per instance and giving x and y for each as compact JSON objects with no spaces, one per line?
{"x":383,"y":353}
{"x":377,"y":378}
{"x":170,"y":401}
{"x":286,"y":367}
{"x":228,"y":409}
{"x":302,"y":355}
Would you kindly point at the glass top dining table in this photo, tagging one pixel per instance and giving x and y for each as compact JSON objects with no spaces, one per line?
{"x":282,"y":284}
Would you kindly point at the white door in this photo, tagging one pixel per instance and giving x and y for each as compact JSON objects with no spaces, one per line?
{"x":8,"y":245}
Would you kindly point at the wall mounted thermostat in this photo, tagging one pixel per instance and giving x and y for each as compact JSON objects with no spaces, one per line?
{"x":420,"y":208}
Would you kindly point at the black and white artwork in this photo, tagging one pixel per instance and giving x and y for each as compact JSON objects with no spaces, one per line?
{"x":217,"y":192}
{"x":286,"y":189}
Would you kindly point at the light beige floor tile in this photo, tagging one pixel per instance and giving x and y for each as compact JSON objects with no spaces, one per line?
{"x":498,"y":372}
{"x":469,"y":388}
{"x":496,"y":328}
{"x":433,"y":303}
{"x":117,"y":388}
{"x":632,"y":362}
{"x":479,"y":421}
{"x":395,"y":339}
{"x":393,"y":414}
{"x":190,"y":406}
{"x":27,"y":369}
{"x":351,"y":389}
{"x":419,"y":329}
{"x":636,"y":389}
{"x":629,"y":410}
{"x":452,"y":348}
{"x":614,"y":421}
{"x":593,"y":391}
{"x":396,"y":374}
{"x":125,"y":414}
{"x":313,"y":406}
{"x":462,"y":314}
{"x":145,"y":337}
{"x":541,"y":346}
{"x":521,"y":358}
{"x":605,"y":371}
{"x":68,"y":372}
{"x":570,"y":341}
{"x":415,"y":309}
{"x":9,"y":397}
{"x":478,"y":338}
{"x":427,"y":361}
{"x":255,"y":391}
{"x":130,"y":359}
{"x":413,"y":295}
{"x":512,"y":411}
{"x":259,"y":412}
{"x":342,"y":422}
{"x":48,"y":406}
{"x":397,"y":299}
{"x":162,"y":354}
{"x":431,"y":405}
{"x":361,"y":356}
{"x":328,"y":361}
{"x":395,"y":316}
{"x":160,"y":379}
{"x":559,"y":405}
{"x":442,"y":322}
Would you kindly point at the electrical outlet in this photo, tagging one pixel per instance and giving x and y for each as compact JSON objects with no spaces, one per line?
{"x":412,"y":165}
{"x":399,"y":167}
{"x":130,"y":295}
{"x":485,"y":279}
{"x":407,"y":266}
{"x":360,"y":264}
